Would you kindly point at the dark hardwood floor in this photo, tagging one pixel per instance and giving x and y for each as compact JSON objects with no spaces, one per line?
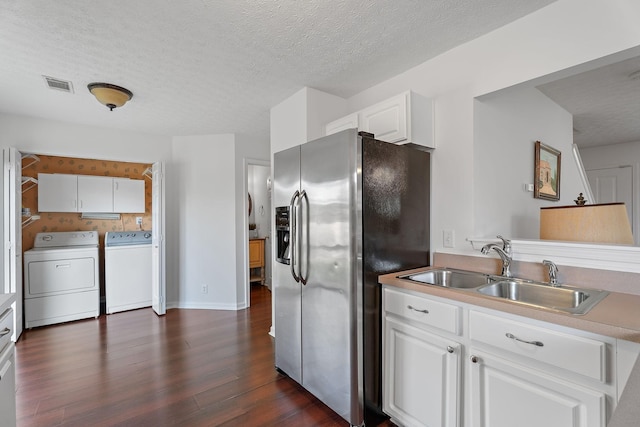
{"x":188,"y":368}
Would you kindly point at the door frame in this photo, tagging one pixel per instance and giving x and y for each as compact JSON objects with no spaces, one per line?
{"x":635,"y":202}
{"x":245,"y":226}
{"x":163,"y":257}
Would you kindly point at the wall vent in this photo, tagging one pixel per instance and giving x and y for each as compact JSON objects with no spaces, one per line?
{"x":57,"y":84}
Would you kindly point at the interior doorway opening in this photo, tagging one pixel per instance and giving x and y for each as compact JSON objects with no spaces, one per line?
{"x":258,"y":226}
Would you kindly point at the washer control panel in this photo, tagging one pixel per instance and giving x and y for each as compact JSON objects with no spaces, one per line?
{"x":127,"y":238}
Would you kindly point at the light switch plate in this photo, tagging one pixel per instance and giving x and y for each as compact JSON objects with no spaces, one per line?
{"x":448,"y":238}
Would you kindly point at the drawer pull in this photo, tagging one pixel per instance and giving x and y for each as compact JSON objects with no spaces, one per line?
{"x":63,"y":265}
{"x":410,"y":307}
{"x":513,"y":337}
{"x":5,"y":331}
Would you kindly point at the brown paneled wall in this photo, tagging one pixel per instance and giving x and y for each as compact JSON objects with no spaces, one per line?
{"x":54,"y":221}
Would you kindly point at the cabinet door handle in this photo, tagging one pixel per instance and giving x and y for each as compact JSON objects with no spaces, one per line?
{"x":450,"y":349}
{"x":425,"y":311}
{"x":474,"y":359}
{"x":513,"y":337}
{"x":5,"y":331}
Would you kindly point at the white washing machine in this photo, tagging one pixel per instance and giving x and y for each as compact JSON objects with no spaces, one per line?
{"x":127,"y":270}
{"x":61,"y":278}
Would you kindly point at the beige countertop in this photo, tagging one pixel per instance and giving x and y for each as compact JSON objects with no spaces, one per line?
{"x":615,"y":316}
{"x":5,"y":301}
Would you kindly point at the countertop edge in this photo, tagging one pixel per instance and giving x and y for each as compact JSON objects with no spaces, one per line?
{"x":606,"y":318}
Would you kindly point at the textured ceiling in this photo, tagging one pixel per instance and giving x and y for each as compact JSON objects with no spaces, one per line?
{"x":605,"y":103}
{"x":206,"y":67}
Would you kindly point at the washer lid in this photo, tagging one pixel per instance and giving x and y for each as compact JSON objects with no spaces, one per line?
{"x":65,"y":239}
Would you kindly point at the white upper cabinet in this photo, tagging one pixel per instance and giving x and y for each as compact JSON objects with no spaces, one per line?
{"x":128,"y":195}
{"x":387,"y":120}
{"x":405,"y":118}
{"x":87,"y":193}
{"x":94,"y":194}
{"x":57,"y":193}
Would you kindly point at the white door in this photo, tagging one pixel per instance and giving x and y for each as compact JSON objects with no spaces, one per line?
{"x":12,"y":209}
{"x":613,"y":185}
{"x":158,"y":273}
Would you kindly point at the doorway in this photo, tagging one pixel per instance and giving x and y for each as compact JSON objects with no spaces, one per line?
{"x":258,"y":226}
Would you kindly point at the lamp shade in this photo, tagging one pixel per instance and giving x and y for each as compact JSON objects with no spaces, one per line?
{"x":603,"y":223}
{"x":110,"y":95}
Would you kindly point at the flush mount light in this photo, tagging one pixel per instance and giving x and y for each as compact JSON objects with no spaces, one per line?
{"x":110,"y":95}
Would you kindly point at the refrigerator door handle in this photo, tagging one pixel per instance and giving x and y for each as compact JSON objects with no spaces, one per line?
{"x":293,"y":232}
{"x":304,"y":223}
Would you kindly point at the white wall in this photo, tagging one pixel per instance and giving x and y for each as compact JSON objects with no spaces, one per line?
{"x":507,"y":125}
{"x":302,"y":117}
{"x":564,"y":34}
{"x":34,"y":135}
{"x":206,"y":197}
{"x":220,"y":161}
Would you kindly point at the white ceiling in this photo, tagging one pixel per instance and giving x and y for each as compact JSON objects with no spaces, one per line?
{"x":209,"y":67}
{"x":604,"y":102}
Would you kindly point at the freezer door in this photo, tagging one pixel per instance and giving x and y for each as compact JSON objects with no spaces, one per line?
{"x":328,"y":263}
{"x":286,"y":291}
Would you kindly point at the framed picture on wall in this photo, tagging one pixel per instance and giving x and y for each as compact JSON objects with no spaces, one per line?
{"x":546,"y":182}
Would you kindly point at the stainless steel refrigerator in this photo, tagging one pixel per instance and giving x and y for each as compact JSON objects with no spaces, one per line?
{"x":348,"y":208}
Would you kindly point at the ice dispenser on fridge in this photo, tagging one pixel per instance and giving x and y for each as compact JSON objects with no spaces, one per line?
{"x":282,"y":232}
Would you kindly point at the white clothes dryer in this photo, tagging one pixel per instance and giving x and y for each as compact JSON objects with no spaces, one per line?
{"x":61,"y":278}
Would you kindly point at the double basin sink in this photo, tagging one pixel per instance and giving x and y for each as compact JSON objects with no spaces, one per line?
{"x":568,"y":299}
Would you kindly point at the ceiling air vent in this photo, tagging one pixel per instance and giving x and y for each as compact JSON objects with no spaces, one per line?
{"x":58,"y":84}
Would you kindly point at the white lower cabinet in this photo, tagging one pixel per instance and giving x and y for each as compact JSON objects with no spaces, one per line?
{"x":422,"y":376}
{"x":505,"y":394}
{"x":7,"y":371}
{"x":449,"y":364}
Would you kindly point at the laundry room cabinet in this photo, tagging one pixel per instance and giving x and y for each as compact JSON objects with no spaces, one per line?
{"x":128,"y":195}
{"x":87,"y":193}
{"x":57,"y":193}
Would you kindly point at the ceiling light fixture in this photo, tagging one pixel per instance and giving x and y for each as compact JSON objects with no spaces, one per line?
{"x":110,"y":95}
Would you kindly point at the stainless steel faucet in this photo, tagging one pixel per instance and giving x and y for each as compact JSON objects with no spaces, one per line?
{"x":503,"y":251}
{"x":553,"y":272}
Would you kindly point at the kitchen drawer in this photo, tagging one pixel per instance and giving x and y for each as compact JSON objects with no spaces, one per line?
{"x":426,"y":311}
{"x":583,"y":356}
{"x":6,"y":328}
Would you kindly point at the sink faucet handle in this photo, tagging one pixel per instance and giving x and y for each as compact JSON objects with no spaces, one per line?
{"x":553,"y":272}
{"x":506,"y":244}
